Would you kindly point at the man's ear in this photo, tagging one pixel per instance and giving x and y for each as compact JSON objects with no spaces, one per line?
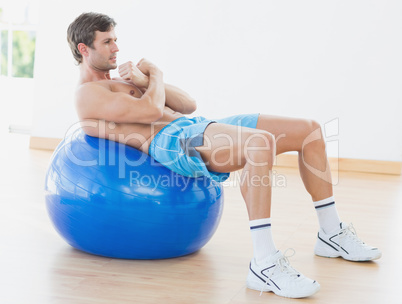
{"x":83,"y":49}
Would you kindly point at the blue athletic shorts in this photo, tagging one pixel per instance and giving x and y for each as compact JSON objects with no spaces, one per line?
{"x":174,"y":145}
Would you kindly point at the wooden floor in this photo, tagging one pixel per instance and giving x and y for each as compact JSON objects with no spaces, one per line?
{"x":37,"y":266}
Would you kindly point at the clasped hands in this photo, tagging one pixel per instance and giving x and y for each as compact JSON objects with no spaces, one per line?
{"x":138,"y":73}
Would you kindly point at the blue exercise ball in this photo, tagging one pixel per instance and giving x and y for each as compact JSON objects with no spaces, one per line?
{"x":110,"y":199}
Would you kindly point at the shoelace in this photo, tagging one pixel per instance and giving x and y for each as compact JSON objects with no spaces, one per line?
{"x":283,"y":264}
{"x":349,"y":231}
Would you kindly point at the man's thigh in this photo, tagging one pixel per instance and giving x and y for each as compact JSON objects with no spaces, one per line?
{"x":243,"y":120}
{"x":290,"y":133}
{"x":225,"y":147}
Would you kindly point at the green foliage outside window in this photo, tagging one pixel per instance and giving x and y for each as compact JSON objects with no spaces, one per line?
{"x":23,"y":53}
{"x":4,"y":52}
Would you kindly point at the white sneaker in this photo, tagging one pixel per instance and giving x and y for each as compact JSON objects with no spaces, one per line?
{"x":344,"y":243}
{"x":276,"y":275}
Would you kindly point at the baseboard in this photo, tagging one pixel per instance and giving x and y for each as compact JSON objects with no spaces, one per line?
{"x":347,"y":164}
{"x":43,"y":143}
{"x":284,"y":160}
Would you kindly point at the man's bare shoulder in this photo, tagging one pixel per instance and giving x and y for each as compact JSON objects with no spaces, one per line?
{"x":90,"y":85}
{"x":89,"y":90}
{"x":104,"y":96}
{"x":89,"y":96}
{"x":112,"y":85}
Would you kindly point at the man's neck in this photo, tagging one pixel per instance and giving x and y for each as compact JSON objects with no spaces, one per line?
{"x":88,"y":74}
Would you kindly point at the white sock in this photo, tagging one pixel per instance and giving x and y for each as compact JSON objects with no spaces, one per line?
{"x":327,"y":214}
{"x":263,"y":243}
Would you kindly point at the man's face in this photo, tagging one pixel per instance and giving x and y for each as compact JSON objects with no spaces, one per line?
{"x":103,"y":54}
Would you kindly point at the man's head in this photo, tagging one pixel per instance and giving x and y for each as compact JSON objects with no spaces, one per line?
{"x":91,"y":35}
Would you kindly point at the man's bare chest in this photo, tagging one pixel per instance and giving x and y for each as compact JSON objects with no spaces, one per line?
{"x":124,"y":87}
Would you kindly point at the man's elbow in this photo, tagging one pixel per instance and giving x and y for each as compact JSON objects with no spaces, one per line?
{"x":194,"y":106}
{"x":191,"y":107}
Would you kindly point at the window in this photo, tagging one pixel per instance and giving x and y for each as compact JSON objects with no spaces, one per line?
{"x":18,"y":21}
{"x":18,"y":27}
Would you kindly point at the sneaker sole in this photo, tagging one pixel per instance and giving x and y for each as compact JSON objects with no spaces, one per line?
{"x":264,"y":288}
{"x":330,"y":254}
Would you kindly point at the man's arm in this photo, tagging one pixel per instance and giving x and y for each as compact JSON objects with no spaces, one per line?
{"x":95,"y":101}
{"x":176,"y":99}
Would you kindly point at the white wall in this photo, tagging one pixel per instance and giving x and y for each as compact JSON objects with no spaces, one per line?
{"x":324,"y":60}
{"x":16,"y":102}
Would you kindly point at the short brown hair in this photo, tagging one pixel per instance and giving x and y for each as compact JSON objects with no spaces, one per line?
{"x":82,"y":30}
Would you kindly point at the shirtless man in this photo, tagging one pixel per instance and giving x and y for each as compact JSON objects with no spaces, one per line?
{"x":140,"y":110}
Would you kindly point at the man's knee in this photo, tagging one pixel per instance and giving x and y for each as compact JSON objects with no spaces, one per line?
{"x":314,"y":138}
{"x":260,"y":145}
{"x":314,"y":125}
